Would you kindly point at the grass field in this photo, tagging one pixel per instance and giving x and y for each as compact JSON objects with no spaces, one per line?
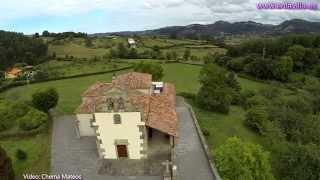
{"x":163,"y":43}
{"x":100,"y":46}
{"x":69,"y":91}
{"x":184,"y":76}
{"x":38,"y":154}
{"x":199,"y":52}
{"x":76,"y":50}
{"x":70,"y":68}
{"x":222,"y":126}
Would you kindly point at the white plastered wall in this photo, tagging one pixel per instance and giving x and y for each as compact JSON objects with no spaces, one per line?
{"x":127,"y":130}
{"x":84,"y":124}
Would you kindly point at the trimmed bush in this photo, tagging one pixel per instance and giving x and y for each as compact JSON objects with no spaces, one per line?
{"x":32,"y":120}
{"x":45,"y":100}
{"x":256,"y":101}
{"x":206,"y":132}
{"x":256,"y":118}
{"x":9,"y":112}
{"x":21,"y":155}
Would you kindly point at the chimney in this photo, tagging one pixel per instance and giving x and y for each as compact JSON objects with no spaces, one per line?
{"x":114,"y":79}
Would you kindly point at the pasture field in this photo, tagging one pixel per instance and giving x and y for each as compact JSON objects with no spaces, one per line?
{"x":76,"y":50}
{"x":100,"y":46}
{"x":38,"y":154}
{"x":70,"y":68}
{"x":184,"y":76}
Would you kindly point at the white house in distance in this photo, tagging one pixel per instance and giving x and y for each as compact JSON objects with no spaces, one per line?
{"x":132,"y":43}
{"x":124,"y":114}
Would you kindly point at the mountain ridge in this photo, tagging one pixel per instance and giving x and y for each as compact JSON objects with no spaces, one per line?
{"x":225,"y":28}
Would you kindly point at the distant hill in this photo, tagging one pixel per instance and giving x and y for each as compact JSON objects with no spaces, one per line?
{"x":226,"y":28}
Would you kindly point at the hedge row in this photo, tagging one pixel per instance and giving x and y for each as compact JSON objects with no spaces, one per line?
{"x":171,"y":46}
{"x":22,"y":83}
{"x":23,"y":134}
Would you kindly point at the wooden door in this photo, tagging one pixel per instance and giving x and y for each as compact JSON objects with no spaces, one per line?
{"x":122,"y":151}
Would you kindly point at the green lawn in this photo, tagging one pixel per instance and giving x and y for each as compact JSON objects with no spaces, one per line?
{"x":223,"y":126}
{"x":184,"y":76}
{"x":69,"y":91}
{"x":76,"y":50}
{"x":38,"y":154}
{"x":150,"y":42}
{"x":199,"y":52}
{"x":71,"y":68}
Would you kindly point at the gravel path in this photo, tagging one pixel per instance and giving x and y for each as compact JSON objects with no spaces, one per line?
{"x":191,"y":158}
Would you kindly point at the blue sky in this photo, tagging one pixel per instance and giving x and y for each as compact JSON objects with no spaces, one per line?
{"x":94,"y":16}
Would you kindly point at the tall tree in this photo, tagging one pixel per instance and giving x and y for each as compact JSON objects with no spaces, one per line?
{"x":187,"y":54}
{"x":239,"y":160}
{"x":6,"y":170}
{"x":283,"y":68}
{"x":151,"y":68}
{"x":214,"y":94}
{"x":300,"y":162}
{"x":122,"y":51}
{"x":297,"y":53}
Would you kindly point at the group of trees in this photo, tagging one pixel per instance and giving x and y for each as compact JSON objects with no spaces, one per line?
{"x":239,"y":160}
{"x":218,"y":89}
{"x":17,"y":48}
{"x":151,"y":68}
{"x":64,"y":35}
{"x":124,"y":52}
{"x":274,"y":58}
{"x":25,"y":116}
{"x":290,"y":128}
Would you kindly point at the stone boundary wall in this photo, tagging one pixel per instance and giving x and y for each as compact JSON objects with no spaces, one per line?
{"x":203,"y":143}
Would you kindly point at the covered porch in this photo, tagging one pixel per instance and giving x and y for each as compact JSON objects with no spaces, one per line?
{"x":159,"y":144}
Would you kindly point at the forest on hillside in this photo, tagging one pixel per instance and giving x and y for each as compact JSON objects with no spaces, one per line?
{"x":18,"y":48}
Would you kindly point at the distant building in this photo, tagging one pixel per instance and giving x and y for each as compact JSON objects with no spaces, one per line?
{"x":13,"y":73}
{"x":129,"y":117}
{"x":132,"y":43}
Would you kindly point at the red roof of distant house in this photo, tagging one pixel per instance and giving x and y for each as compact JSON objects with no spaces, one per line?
{"x":14,"y":71}
{"x":158,"y":110}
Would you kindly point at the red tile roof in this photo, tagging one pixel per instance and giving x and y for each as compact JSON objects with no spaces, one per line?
{"x":162,"y":115}
{"x":158,"y":110}
{"x":96,"y":89}
{"x":134,"y":80}
{"x":87,"y":106}
{"x":14,"y":71}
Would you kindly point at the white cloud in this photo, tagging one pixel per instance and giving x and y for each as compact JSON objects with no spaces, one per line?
{"x":152,"y":13}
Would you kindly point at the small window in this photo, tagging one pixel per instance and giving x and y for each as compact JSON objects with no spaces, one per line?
{"x":117,"y":119}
